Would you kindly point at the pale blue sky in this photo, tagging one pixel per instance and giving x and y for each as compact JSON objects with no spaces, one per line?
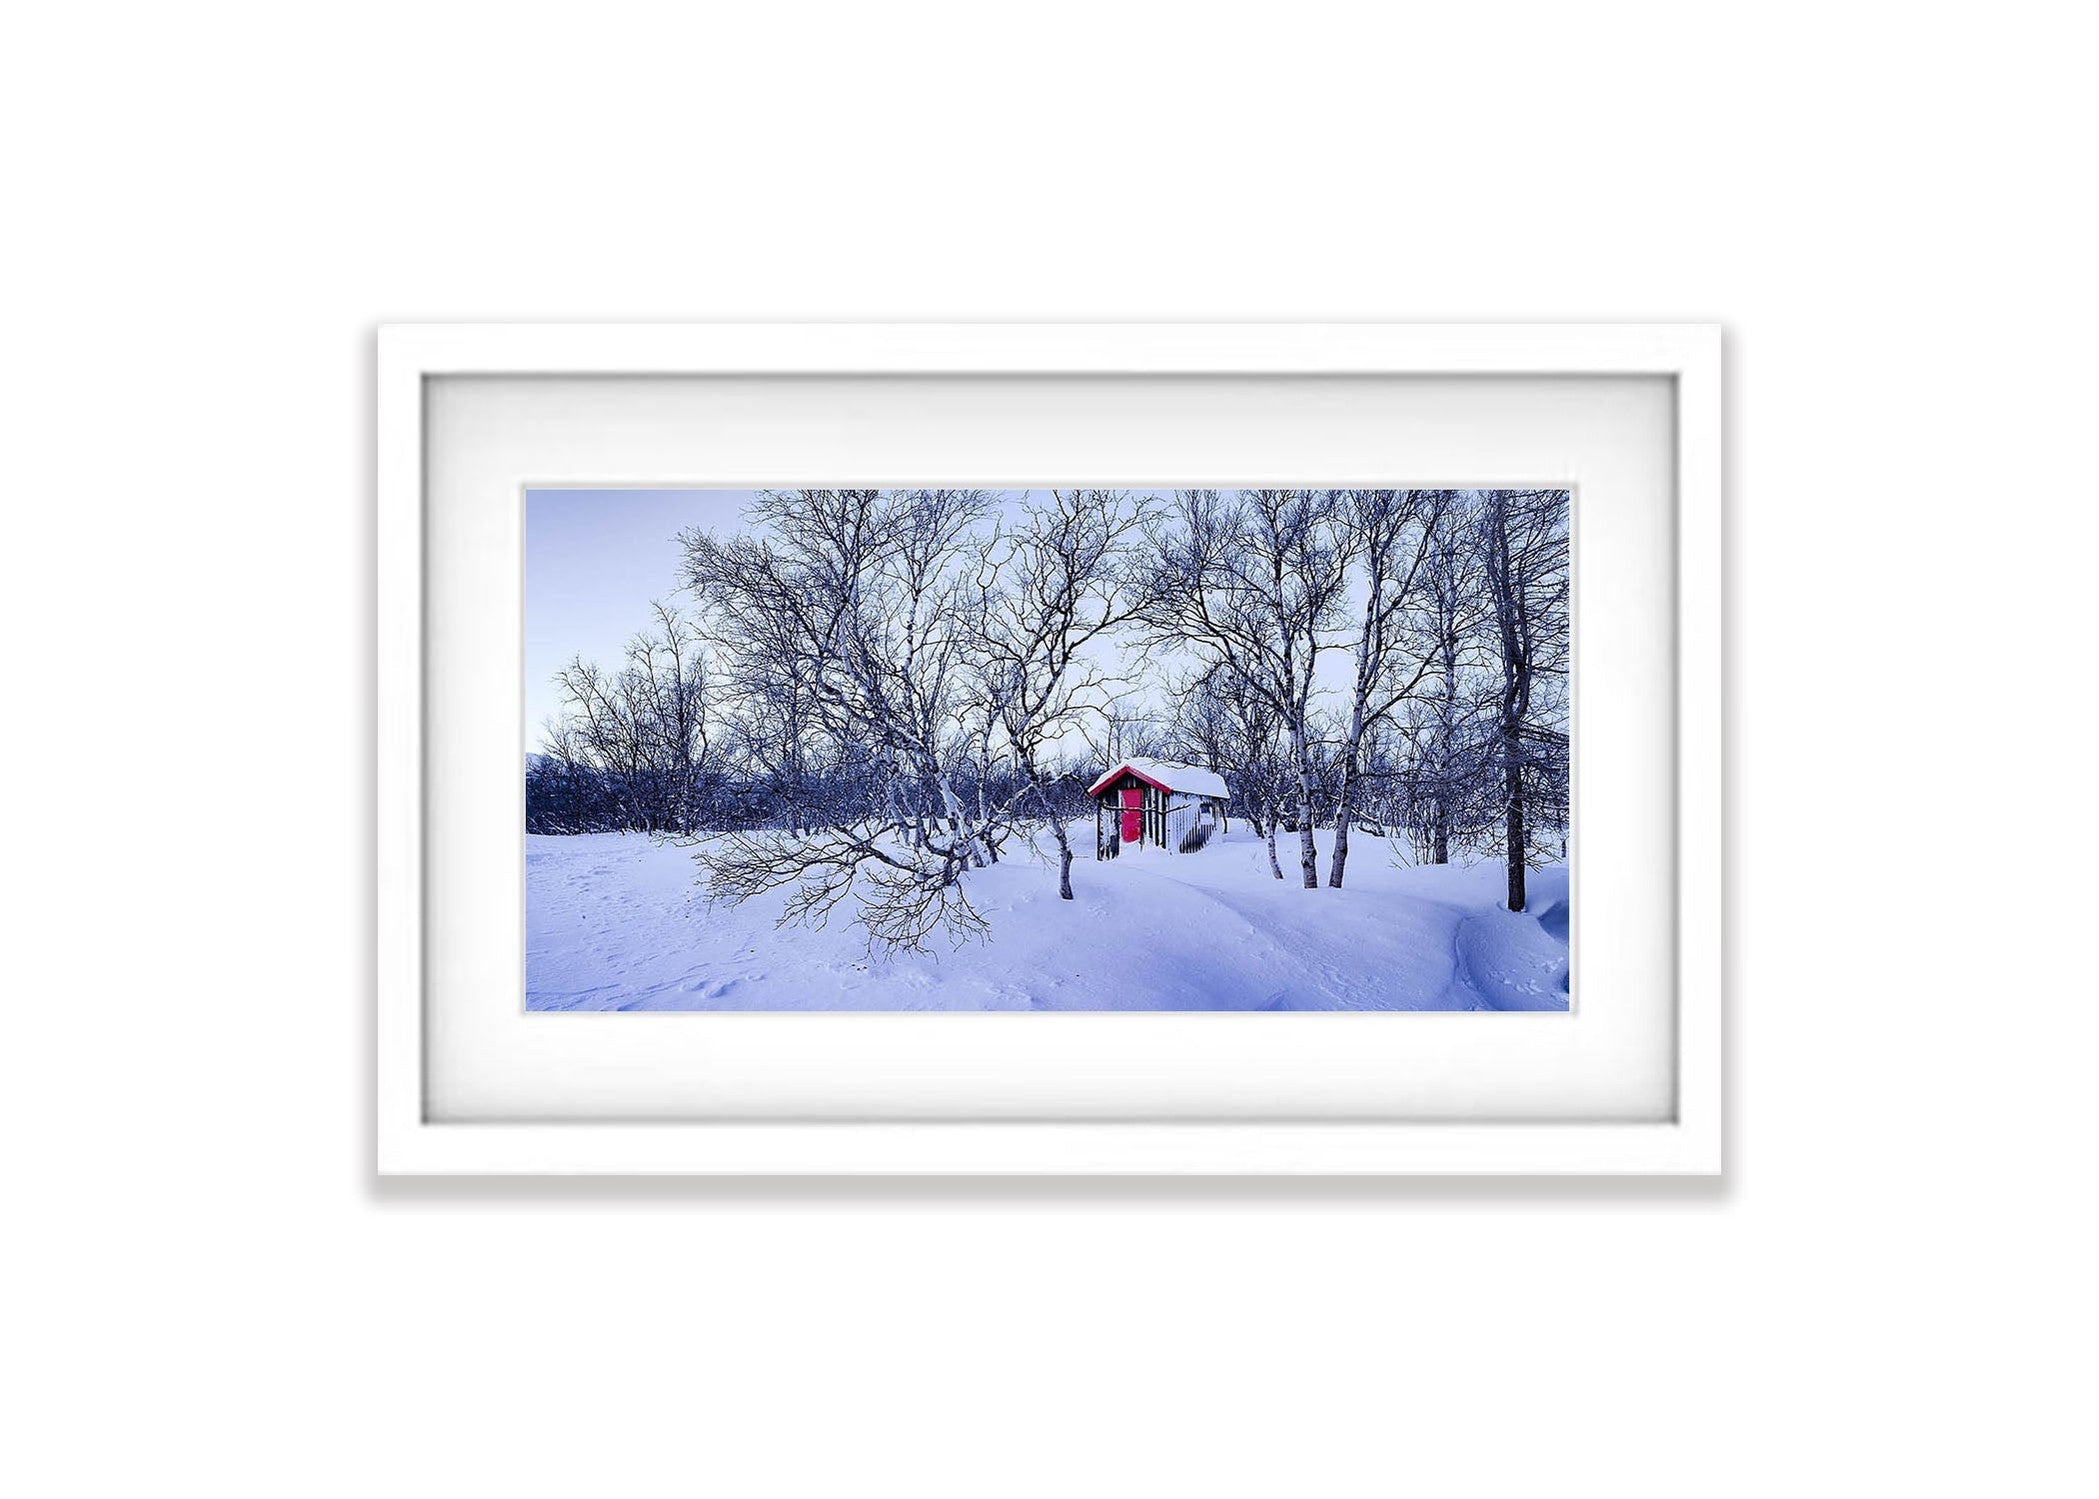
{"x":594,"y":558}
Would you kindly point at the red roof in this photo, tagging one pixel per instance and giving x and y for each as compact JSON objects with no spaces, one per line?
{"x":1186,"y":779}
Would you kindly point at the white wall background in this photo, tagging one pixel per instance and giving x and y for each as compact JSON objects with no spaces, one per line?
{"x":213,"y":204}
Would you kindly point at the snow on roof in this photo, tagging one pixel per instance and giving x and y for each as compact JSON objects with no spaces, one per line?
{"x":1173,"y":777}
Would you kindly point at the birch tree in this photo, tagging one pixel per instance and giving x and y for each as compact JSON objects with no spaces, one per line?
{"x":1521,"y":537}
{"x":1262,"y":776}
{"x":1119,"y":733}
{"x":1055,"y":583}
{"x":1387,"y":533}
{"x":779,"y":744}
{"x":1253,"y":582}
{"x":1198,"y":726}
{"x":644,"y":729}
{"x":865,"y":598}
{"x":1449,"y":755}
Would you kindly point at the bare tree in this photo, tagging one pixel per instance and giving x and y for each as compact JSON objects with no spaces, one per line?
{"x":645,"y":727}
{"x":1119,"y":733}
{"x":1449,"y":754}
{"x":1198,"y":727}
{"x":1054,"y":584}
{"x":1522,"y":542}
{"x":1264,"y":778}
{"x":778,"y":744}
{"x":1253,"y":582}
{"x":1388,"y":534}
{"x":866,"y":599}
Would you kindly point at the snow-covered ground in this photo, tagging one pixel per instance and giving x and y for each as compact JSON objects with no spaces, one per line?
{"x":616,"y":922}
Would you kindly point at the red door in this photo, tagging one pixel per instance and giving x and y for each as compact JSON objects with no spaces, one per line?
{"x":1133,"y":814}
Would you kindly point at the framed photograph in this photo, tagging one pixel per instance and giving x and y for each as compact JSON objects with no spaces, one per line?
{"x":1117,"y":749}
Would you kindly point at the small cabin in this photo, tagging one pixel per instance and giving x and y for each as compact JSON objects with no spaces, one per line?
{"x":1141,"y":802}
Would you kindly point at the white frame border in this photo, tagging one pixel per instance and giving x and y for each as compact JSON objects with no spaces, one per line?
{"x":409,"y":1144}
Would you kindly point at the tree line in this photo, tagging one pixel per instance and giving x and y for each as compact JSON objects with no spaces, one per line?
{"x":870,"y":693}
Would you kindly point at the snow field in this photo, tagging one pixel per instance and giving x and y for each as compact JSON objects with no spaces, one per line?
{"x":617,"y":922}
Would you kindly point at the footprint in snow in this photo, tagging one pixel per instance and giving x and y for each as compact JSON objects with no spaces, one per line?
{"x":712,"y":988}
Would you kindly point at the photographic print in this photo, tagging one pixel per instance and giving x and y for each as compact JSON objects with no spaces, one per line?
{"x":1047,"y":749}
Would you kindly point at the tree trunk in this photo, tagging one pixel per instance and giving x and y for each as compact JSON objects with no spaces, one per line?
{"x":1063,"y":858}
{"x":1517,"y":861}
{"x":1056,"y":823}
{"x":958,"y":825}
{"x":1439,"y":829}
{"x":1340,"y":863}
{"x":1275,"y":865}
{"x":1341,"y":814}
{"x":1348,"y":786}
{"x":1308,"y":854}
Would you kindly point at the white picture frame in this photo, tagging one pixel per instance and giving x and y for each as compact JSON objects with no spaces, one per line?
{"x":1687,"y":1140}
